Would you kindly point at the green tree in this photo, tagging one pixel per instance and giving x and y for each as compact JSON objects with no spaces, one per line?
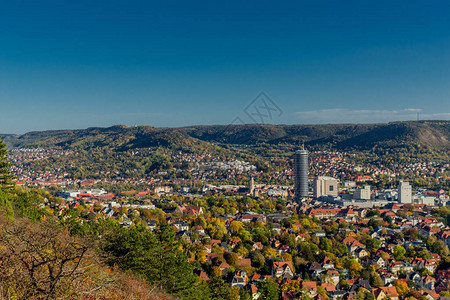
{"x":326,"y":244}
{"x":5,"y":204}
{"x":440,"y":248}
{"x":155,"y":256}
{"x":374,"y":223}
{"x":232,"y":258}
{"x":258,"y":259}
{"x":6,"y":177}
{"x":373,"y":244}
{"x":269,"y":289}
{"x":375,"y":279}
{"x":27,"y":203}
{"x":174,"y":271}
{"x":399,"y":252}
{"x":245,"y":295}
{"x":218,"y":288}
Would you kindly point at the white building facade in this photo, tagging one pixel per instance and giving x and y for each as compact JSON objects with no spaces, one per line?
{"x":404,"y":192}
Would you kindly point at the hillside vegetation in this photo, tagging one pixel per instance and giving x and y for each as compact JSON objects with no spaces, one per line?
{"x":120,"y":138}
{"x":433,"y":134}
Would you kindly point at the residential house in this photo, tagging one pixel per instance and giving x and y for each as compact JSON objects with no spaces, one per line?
{"x":416,"y":278}
{"x":388,"y":278}
{"x":378,"y":260}
{"x":361,"y":253}
{"x":327,"y":264}
{"x":383,"y":293}
{"x":330,"y":276}
{"x":321,"y":213}
{"x":335,"y":295}
{"x":203,"y":276}
{"x":352,"y":244}
{"x":361,"y":283}
{"x":257,"y":246}
{"x":181,"y":225}
{"x":283,"y":269}
{"x":445,"y":236}
{"x":254,"y":292}
{"x":245,"y":263}
{"x":319,"y":233}
{"x":239,"y":279}
{"x":224,"y":268}
{"x":310,"y":287}
{"x":151,"y":225}
{"x":431,"y":265}
{"x":428,"y":282}
{"x":314,"y":269}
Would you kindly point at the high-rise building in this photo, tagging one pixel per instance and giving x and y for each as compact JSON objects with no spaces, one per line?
{"x":404,"y":192}
{"x":362,"y":193}
{"x":325,"y":186}
{"x":301,"y":174}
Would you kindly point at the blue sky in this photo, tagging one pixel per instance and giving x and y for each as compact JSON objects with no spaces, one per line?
{"x":76,"y":64}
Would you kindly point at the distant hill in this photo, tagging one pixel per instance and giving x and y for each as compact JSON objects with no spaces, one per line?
{"x":429,"y":134}
{"x":434,"y":134}
{"x":117,"y":137}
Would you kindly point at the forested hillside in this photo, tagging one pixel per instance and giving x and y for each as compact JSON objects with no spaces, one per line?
{"x":433,"y":134}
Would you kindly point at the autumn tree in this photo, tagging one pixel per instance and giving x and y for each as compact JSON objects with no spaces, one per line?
{"x":353,"y":266}
{"x":291,"y":285}
{"x":269,"y":252}
{"x":216,"y":228}
{"x":402,"y":287}
{"x":235,"y":227}
{"x":323,"y":292}
{"x":41,"y":261}
{"x":286,"y":256}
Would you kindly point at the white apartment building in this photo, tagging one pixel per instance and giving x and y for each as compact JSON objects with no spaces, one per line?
{"x":325,"y":186}
{"x":404,"y":192}
{"x":362,"y":193}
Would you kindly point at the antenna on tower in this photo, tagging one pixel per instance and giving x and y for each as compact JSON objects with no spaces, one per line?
{"x":301,"y":144}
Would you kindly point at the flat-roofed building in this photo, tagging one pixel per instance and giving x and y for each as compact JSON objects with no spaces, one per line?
{"x":404,"y":192}
{"x":325,"y":186}
{"x":362,"y":193}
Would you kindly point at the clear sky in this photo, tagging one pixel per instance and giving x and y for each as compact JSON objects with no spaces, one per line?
{"x":76,"y":64}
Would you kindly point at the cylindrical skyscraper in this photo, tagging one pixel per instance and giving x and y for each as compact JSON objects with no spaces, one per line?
{"x":301,"y":174}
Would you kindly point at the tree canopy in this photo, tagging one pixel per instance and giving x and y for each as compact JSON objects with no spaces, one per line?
{"x":6,"y":177}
